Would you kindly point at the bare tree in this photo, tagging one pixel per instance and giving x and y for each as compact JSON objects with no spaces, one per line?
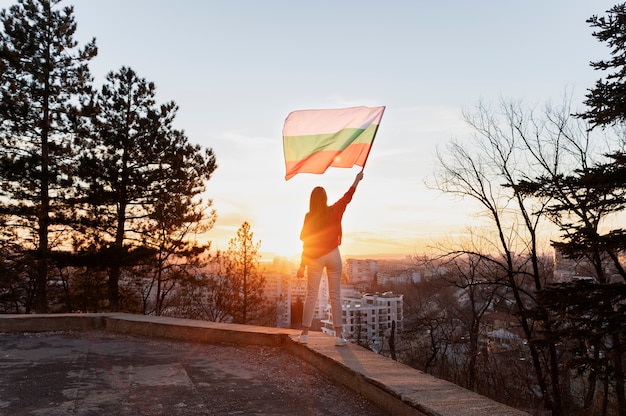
{"x":428,"y":332}
{"x":478,"y":288}
{"x":509,"y":146}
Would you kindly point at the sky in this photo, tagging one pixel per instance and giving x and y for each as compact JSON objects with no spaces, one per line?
{"x":236,"y":69}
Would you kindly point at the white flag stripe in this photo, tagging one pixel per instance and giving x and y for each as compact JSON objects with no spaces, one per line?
{"x":313,"y":122}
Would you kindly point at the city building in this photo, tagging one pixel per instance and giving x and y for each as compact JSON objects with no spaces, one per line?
{"x":366,"y":273}
{"x":361,"y":272}
{"x":369,"y":319}
{"x":398,"y":277}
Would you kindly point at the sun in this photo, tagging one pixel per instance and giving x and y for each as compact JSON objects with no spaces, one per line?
{"x":282,"y":246}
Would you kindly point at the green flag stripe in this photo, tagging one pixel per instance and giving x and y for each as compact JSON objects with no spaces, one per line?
{"x":301,"y":147}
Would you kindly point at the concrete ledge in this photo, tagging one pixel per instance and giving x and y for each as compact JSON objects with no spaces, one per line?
{"x":398,"y":388}
{"x":49,"y":323}
{"x":323,"y":355}
{"x":195,"y":331}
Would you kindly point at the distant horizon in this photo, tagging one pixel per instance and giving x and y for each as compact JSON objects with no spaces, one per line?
{"x":268,"y":256}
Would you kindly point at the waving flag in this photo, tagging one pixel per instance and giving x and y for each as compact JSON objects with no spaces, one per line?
{"x":314,"y":140}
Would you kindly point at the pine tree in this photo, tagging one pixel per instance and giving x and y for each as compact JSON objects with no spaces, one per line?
{"x":179,"y":215}
{"x":140,"y":176}
{"x":249,"y":304}
{"x":606,"y":99}
{"x":44,"y":78}
{"x":589,"y":321}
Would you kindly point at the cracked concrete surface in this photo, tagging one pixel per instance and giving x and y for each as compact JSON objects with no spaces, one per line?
{"x":100,"y":373}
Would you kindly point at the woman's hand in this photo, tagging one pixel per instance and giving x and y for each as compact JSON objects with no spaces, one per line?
{"x":358,"y":178}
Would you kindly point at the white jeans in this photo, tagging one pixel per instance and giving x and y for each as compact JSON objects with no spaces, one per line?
{"x":315,"y":267}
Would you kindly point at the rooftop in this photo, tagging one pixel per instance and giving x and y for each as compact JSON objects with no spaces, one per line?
{"x":97,"y":364}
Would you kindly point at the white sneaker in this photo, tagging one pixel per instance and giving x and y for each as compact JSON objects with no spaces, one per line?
{"x":340,"y":341}
{"x":303,"y":339}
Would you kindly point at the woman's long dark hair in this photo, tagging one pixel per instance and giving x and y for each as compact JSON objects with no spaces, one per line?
{"x":318,"y":208}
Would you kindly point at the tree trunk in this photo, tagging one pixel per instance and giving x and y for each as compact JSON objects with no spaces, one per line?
{"x":41,"y":296}
{"x":618,"y":351}
{"x":114,"y":291}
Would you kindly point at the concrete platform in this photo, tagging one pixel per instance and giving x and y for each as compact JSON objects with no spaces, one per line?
{"x":100,"y":373}
{"x":121,"y":364}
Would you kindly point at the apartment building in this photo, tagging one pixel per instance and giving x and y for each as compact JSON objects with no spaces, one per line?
{"x":369,"y":319}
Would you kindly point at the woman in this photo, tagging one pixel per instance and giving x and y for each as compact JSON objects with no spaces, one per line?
{"x":321,"y":237}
